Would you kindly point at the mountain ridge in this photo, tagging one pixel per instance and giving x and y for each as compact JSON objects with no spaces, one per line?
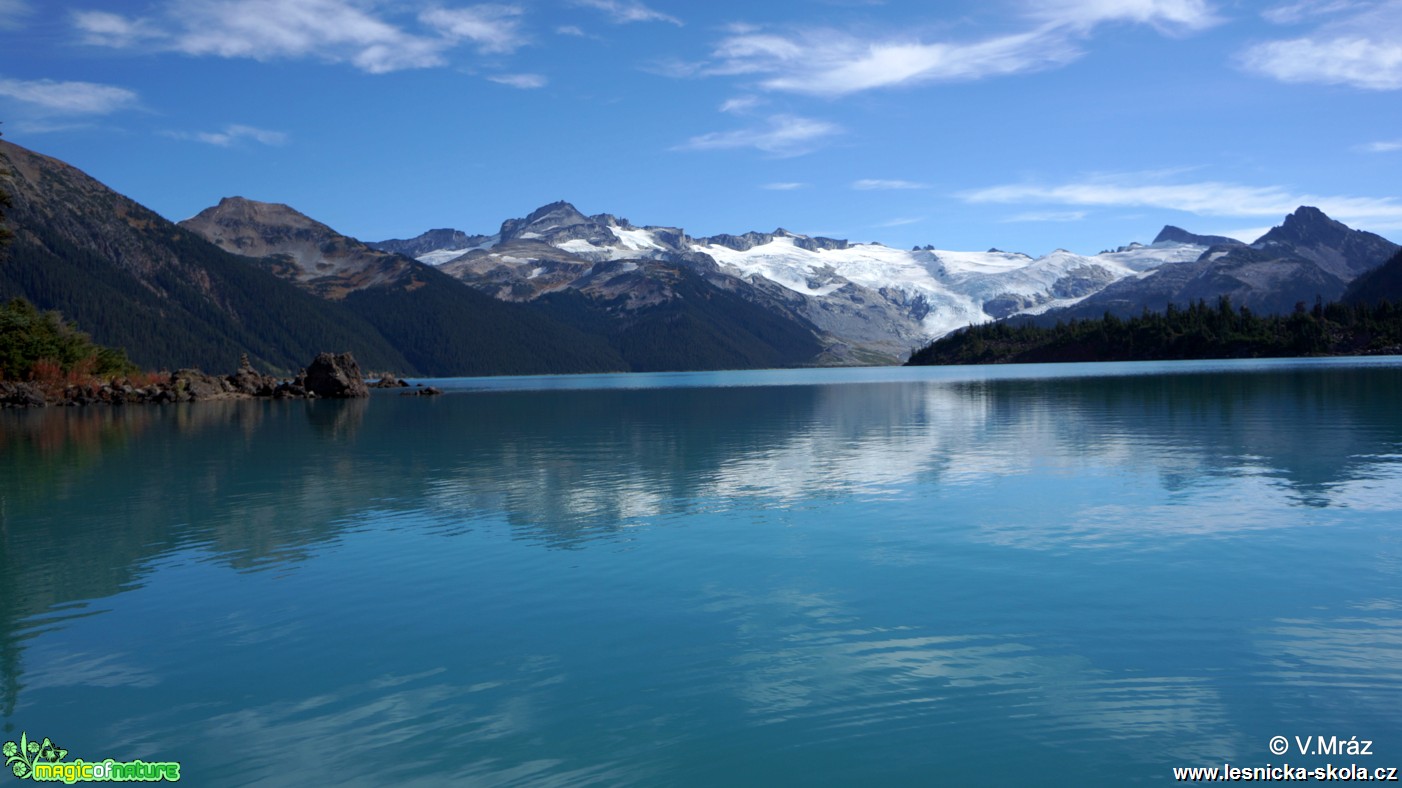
{"x":867,"y":302}
{"x":1308,"y":256}
{"x":558,"y":290}
{"x":135,"y":280}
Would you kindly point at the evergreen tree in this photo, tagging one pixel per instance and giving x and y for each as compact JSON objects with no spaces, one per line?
{"x":31,"y":341}
{"x":1199,"y":331}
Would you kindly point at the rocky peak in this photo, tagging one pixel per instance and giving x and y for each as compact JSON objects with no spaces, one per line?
{"x":1333,"y":245}
{"x":1177,"y":235}
{"x":543,"y":219}
{"x":1308,"y":226}
{"x":739,"y":243}
{"x":813,"y":244}
{"x":306,"y":251}
{"x":608,"y":219}
{"x":750,"y":240}
{"x":247,"y":227}
{"x":232,"y":210}
{"x":431,"y":241}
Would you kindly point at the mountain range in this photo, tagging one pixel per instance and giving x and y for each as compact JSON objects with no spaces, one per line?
{"x":562,"y":291}
{"x":1308,"y":257}
{"x":172,"y":298}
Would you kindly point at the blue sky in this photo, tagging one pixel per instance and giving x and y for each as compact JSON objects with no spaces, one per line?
{"x":1081,"y":124}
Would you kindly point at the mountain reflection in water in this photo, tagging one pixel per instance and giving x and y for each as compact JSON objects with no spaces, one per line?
{"x":835,"y":566}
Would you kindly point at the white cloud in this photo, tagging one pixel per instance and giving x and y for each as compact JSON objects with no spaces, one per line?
{"x":69,"y":98}
{"x":741,"y":104}
{"x":1360,"y":62}
{"x":12,"y":13}
{"x":1170,"y":16}
{"x":1362,"y":50}
{"x":494,"y":28}
{"x":1206,"y":198}
{"x":829,"y":62}
{"x":1306,"y":9}
{"x":1387,"y":146}
{"x":569,"y":30}
{"x":625,"y":11}
{"x":833,"y":63}
{"x":784,"y":135}
{"x":523,"y":81}
{"x":1046,"y":216}
{"x":231,"y":134}
{"x":876,"y":184}
{"x":900,"y":222}
{"x":99,"y":28}
{"x":786,"y":186}
{"x":336,"y":31}
{"x":1245,"y":234}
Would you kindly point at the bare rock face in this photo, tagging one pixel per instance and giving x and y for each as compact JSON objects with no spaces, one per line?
{"x":336,"y":376}
{"x":21,"y":395}
{"x":249,"y":381}
{"x":389,"y":381}
{"x":192,"y":385}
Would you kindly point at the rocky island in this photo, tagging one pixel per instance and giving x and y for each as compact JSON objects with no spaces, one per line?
{"x":328,"y":376}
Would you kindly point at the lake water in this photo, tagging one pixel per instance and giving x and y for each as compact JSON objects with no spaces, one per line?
{"x":1078,"y":574}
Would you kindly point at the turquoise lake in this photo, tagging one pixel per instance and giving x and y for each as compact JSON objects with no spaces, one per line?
{"x":1070,"y":574}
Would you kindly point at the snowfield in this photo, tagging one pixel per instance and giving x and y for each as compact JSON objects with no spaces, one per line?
{"x":955,"y":285}
{"x":871,"y":294}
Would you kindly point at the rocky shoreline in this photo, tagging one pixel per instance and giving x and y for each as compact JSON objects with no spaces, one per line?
{"x":328,"y":376}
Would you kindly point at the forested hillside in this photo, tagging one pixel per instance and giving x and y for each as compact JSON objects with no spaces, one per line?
{"x":1199,"y":331}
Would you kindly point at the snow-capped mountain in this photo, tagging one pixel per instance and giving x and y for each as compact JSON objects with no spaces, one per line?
{"x":868,"y":302}
{"x":1308,"y":256}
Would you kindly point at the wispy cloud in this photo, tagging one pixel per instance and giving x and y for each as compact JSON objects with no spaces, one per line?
{"x":834,"y":63}
{"x":1168,"y":16}
{"x":625,"y":11}
{"x":783,"y":135}
{"x":232,"y":134}
{"x":1361,"y":48}
{"x":785,"y":186}
{"x":493,"y":28}
{"x":828,"y":62}
{"x":100,"y":28}
{"x":69,"y":98}
{"x":1385,"y":146}
{"x":1294,"y":13}
{"x":13,"y":13}
{"x":1247,"y":234}
{"x":336,"y":31}
{"x":523,"y":81}
{"x":1046,"y":216}
{"x":1205,"y":198}
{"x":569,"y":30}
{"x":900,"y":222}
{"x":876,"y":184}
{"x":741,"y":104}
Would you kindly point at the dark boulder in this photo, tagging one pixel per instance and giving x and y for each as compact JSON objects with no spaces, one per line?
{"x":21,"y":395}
{"x":335,"y":376}
{"x":192,"y":385}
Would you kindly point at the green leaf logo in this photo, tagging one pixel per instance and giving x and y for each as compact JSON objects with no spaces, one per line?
{"x":21,"y":756}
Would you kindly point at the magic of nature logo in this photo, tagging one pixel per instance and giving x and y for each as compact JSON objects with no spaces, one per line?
{"x":44,"y":761}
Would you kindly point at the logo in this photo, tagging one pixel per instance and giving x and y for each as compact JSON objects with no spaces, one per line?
{"x":43,"y":761}
{"x":21,"y":757}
